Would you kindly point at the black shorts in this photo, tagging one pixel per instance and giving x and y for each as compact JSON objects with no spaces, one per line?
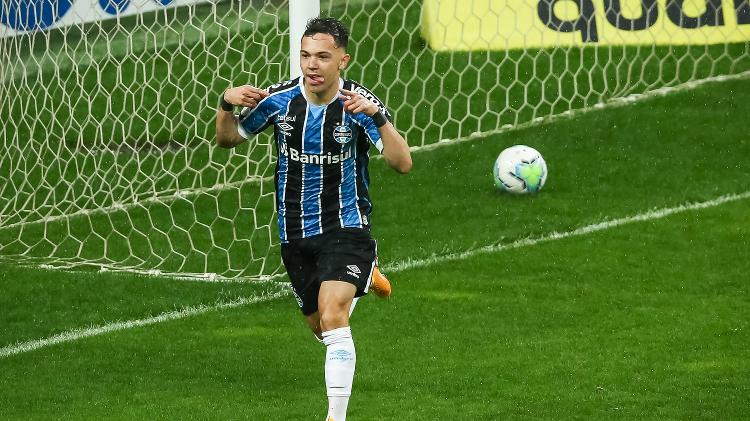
{"x":346,"y":254}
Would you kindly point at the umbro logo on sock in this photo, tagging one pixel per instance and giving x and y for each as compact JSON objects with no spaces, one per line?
{"x":341,"y":355}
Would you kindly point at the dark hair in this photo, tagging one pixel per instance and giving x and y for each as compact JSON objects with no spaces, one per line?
{"x":330,"y":26}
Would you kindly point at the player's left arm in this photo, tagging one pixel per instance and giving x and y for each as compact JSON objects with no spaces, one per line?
{"x":395,"y":149}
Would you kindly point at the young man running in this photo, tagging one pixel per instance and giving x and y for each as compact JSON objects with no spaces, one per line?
{"x":323,"y":128}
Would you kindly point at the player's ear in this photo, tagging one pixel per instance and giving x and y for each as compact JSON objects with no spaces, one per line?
{"x":344,"y":61}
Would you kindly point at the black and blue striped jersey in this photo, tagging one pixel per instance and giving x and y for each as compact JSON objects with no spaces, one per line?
{"x":322,"y":177}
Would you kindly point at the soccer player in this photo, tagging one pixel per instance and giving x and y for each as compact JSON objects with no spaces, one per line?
{"x":323,"y":128}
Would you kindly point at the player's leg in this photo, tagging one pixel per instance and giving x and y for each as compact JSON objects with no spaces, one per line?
{"x":334,"y":302}
{"x":345,"y":263}
{"x":301,"y":268}
{"x":313,"y":320}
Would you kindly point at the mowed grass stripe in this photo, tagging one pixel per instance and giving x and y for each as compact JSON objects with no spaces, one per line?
{"x":82,"y":333}
{"x":654,"y":154}
{"x":642,"y":321}
{"x":616,"y":324}
{"x":587,"y":229}
{"x":603,"y":166}
{"x":76,"y":334}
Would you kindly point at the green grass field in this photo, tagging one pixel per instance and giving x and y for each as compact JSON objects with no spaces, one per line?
{"x":505,"y":307}
{"x":645,"y":320}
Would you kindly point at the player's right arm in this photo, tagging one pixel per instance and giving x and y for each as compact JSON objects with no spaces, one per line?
{"x":227,"y":134}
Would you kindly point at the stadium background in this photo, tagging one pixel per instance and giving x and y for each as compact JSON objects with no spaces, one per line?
{"x":619,"y":291}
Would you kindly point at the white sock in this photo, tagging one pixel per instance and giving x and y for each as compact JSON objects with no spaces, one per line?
{"x":339,"y":370}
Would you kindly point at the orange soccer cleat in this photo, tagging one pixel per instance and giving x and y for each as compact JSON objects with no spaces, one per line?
{"x":381,"y":286}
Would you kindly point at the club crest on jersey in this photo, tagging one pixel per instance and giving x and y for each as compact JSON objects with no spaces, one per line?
{"x":342,"y":134}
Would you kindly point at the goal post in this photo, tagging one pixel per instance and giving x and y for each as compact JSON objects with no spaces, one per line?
{"x":300,"y":11}
{"x":107,"y":156}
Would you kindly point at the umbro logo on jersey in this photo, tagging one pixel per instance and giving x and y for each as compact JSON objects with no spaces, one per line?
{"x":281,"y":123}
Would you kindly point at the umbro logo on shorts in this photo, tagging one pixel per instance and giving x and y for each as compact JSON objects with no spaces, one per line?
{"x":353,"y":270}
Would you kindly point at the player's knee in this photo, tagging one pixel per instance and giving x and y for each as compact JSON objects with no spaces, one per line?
{"x":333,"y":319}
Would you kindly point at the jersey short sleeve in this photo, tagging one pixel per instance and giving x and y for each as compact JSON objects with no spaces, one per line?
{"x":365,"y":121}
{"x":255,"y":120}
{"x":371,"y":130}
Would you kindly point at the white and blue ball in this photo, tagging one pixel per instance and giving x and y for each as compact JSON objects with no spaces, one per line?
{"x":520,"y":169}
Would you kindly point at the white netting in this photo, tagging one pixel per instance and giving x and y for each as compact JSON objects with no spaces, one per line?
{"x":107,"y":155}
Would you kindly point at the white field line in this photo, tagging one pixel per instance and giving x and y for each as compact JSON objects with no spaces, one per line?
{"x":75,"y":334}
{"x":71,"y":265}
{"x":185,"y":194}
{"x":587,"y":229}
{"x":610,"y":103}
{"x":181,"y":276}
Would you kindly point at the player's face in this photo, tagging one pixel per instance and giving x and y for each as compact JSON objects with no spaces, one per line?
{"x":321,"y":62}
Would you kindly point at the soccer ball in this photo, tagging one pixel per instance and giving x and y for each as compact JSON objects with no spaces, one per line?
{"x":520,"y":169}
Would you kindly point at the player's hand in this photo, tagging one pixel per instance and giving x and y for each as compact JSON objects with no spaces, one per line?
{"x":246,"y":96}
{"x":355,"y":103}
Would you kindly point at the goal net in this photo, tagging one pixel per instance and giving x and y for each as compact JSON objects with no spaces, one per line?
{"x":107,"y":156}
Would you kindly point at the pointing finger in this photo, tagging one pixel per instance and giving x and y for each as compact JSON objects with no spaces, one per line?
{"x":254,"y":95}
{"x":262,"y":92}
{"x":248,"y":89}
{"x":348,"y":92}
